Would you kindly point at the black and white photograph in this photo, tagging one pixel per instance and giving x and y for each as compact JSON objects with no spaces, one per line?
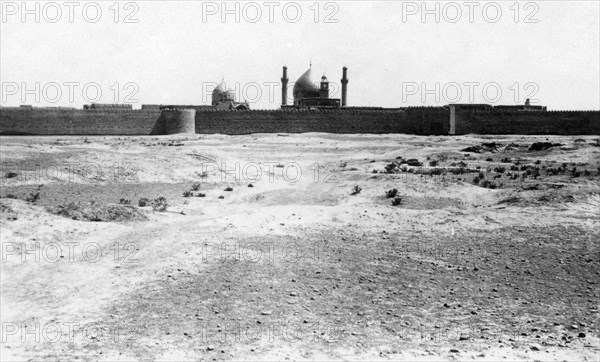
{"x":355,"y":180}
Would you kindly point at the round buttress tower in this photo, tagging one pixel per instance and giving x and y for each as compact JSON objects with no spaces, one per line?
{"x":179,"y":121}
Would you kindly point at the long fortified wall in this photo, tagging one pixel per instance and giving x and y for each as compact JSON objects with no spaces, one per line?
{"x":300,"y":121}
{"x":528,"y":122}
{"x":54,"y":121}
{"x":65,"y":121}
{"x":413,"y":120}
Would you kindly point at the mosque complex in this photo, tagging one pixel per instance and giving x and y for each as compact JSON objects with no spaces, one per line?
{"x":307,"y":93}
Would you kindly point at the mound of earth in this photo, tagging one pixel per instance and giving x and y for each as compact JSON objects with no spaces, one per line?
{"x":484,"y":147}
{"x":99,"y":212}
{"x":541,"y":146}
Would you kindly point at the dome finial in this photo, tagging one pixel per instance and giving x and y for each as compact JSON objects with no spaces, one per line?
{"x":310,"y":64}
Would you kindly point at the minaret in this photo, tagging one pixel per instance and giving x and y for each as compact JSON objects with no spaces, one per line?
{"x":344,"y":86}
{"x":284,"y":86}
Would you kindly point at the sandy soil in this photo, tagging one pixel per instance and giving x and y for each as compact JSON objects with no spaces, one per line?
{"x":298,"y":266}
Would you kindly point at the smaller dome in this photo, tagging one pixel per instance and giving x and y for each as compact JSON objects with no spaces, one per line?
{"x":221,"y":94}
{"x":219,"y":89}
{"x":323,"y":78}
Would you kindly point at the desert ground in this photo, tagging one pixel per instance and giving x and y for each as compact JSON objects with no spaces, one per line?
{"x":297,"y":247}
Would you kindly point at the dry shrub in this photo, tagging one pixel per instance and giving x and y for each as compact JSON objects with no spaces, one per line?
{"x":160,"y":204}
{"x":488,"y":184}
{"x":32,"y":197}
{"x":391,"y":168}
{"x":397,"y":201}
{"x":414,"y":162}
{"x":5,"y":208}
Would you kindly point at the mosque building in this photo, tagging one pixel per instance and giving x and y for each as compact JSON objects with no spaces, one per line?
{"x":308,"y":93}
{"x":223,"y":98}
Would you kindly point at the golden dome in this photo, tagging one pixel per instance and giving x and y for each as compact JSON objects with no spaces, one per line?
{"x":306,"y":86}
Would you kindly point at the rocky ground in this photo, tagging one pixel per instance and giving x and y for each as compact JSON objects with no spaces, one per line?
{"x":297,"y":247}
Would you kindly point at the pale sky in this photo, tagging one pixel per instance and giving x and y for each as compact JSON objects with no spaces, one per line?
{"x":171,"y":55}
